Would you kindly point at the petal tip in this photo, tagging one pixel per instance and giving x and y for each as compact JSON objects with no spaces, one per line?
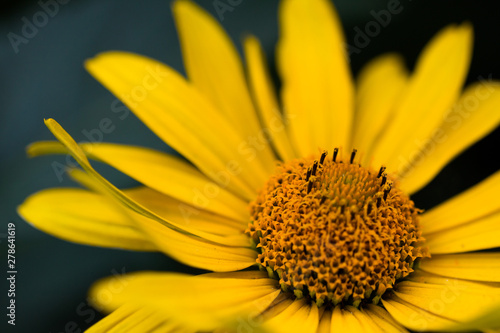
{"x":180,"y":7}
{"x":49,"y":121}
{"x":31,"y":150}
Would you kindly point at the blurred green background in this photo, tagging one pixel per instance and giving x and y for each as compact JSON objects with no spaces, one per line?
{"x":45,"y":78}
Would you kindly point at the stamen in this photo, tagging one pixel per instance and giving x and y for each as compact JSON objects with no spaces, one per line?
{"x":309,"y":186}
{"x":386,"y":191}
{"x":384,"y":179}
{"x":335,"y":152}
{"x":323,"y":156}
{"x":381,"y":171}
{"x":353,"y":154}
{"x":315,"y":167}
{"x":308,"y":175}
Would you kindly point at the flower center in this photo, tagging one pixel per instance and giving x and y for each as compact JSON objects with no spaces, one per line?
{"x":334,"y":231}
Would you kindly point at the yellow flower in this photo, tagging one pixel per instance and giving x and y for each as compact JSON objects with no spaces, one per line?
{"x":315,"y":195}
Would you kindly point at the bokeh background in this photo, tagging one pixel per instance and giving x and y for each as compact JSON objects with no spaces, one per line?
{"x":43,"y":77}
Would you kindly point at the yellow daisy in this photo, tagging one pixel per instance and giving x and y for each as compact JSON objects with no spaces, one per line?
{"x":300,"y":207}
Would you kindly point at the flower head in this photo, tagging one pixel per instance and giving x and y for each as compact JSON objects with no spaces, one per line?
{"x":300,"y":206}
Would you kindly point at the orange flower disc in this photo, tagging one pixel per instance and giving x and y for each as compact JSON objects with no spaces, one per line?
{"x":335,"y":231}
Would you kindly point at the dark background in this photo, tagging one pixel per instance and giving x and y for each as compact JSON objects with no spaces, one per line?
{"x":45,"y":78}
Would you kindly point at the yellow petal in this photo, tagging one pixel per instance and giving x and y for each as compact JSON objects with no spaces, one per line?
{"x":478,"y":201}
{"x":112,"y":319}
{"x":423,"y":277}
{"x":325,"y":322}
{"x":199,"y":303}
{"x":351,"y":320}
{"x":183,"y":118}
{"x":183,"y":214}
{"x":470,"y":266}
{"x":83,"y":217}
{"x":280,"y":304}
{"x":473,"y":117}
{"x":451,"y":298}
{"x":318,"y":91}
{"x":197,"y":252}
{"x":191,"y":246}
{"x":480,"y":234}
{"x":162,"y":172}
{"x":196,"y":248}
{"x":214,"y":66}
{"x":365,"y":321}
{"x":265,"y":98}
{"x":96,"y":182}
{"x":299,"y":316}
{"x":431,"y":92}
{"x":382,"y":319}
{"x":129,"y":317}
{"x":80,"y":157}
{"x":487,"y":322}
{"x":379,"y":88}
{"x":413,"y":317}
